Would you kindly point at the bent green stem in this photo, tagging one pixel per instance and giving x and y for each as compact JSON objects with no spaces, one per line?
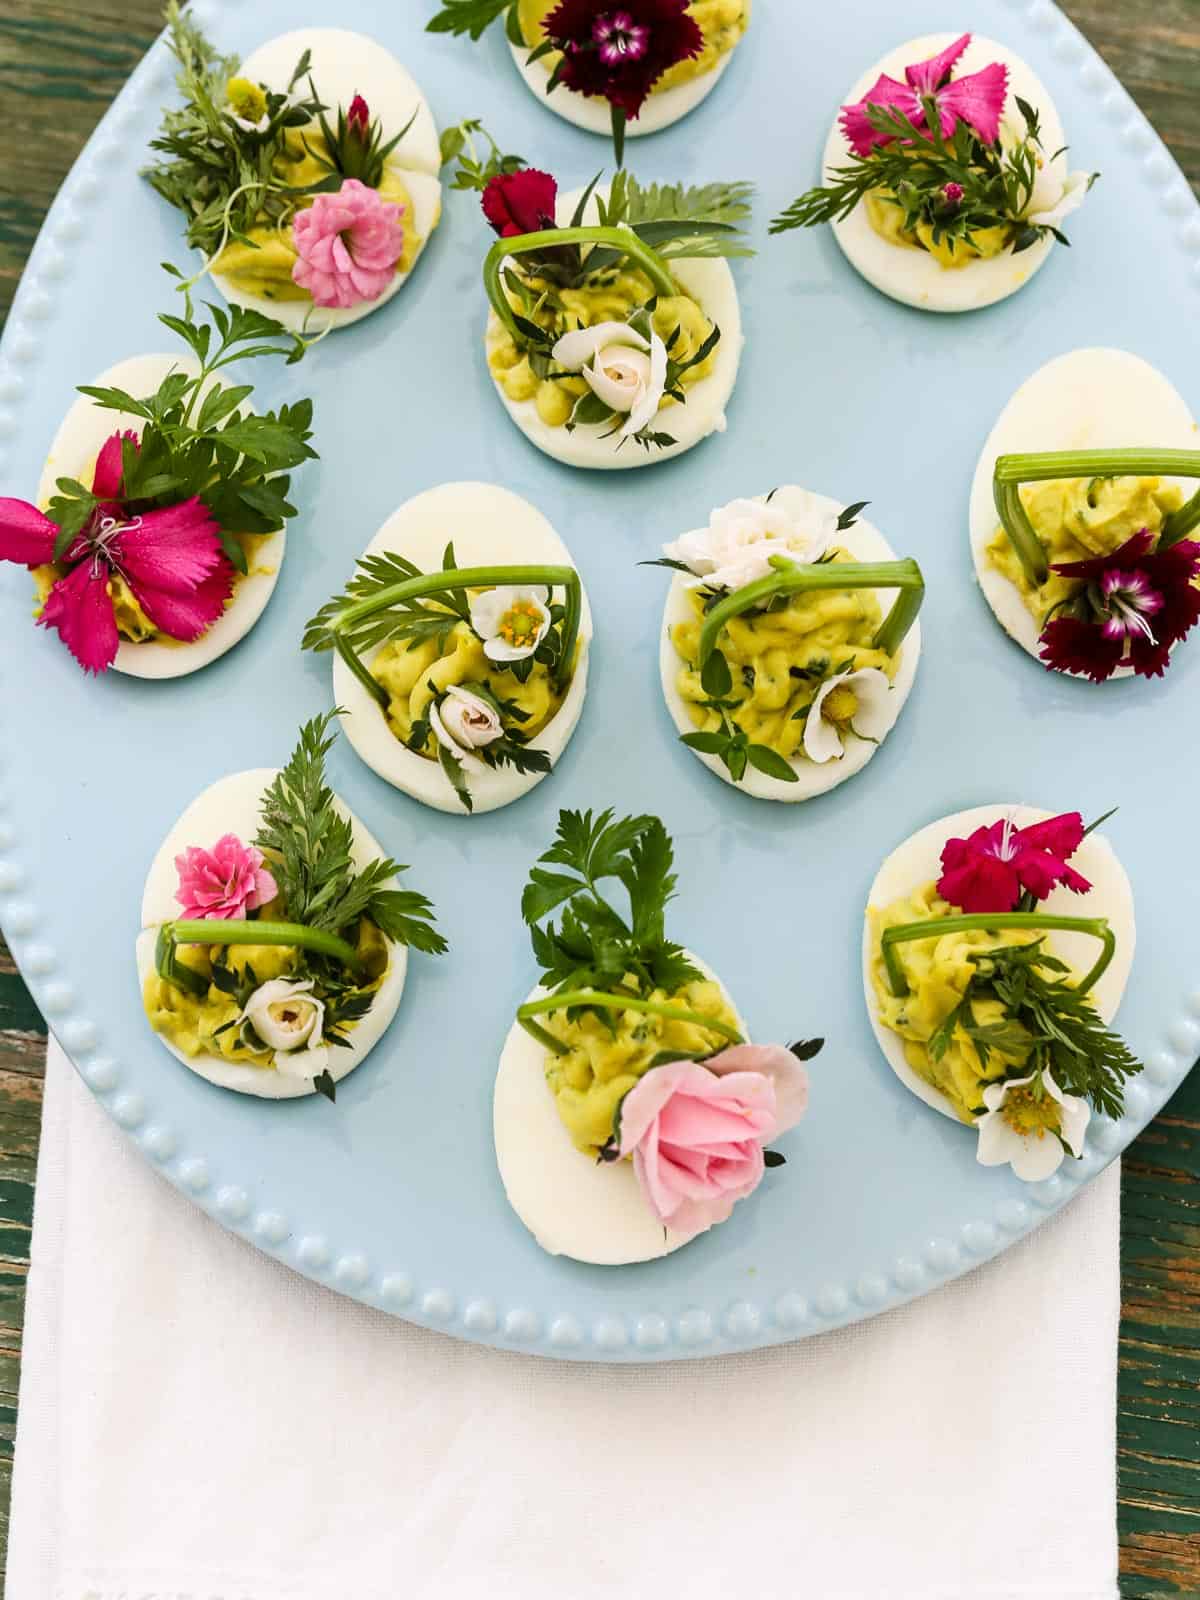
{"x":597,"y":1000}
{"x":996,"y":922}
{"x":1014,"y":470}
{"x":791,"y":578}
{"x":316,"y":940}
{"x":623,"y":240}
{"x":565,"y":578}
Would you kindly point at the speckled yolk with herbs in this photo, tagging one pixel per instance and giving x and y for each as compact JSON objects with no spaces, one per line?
{"x":938,"y":972}
{"x":886,"y":217}
{"x":264,"y":267}
{"x":609,"y":296}
{"x":722,"y":22}
{"x":200,"y":1024}
{"x":1076,"y":519}
{"x":411,"y":677}
{"x":610,"y":1052}
{"x":778,"y":660}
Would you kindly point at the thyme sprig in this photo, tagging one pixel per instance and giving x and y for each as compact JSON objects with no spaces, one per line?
{"x":198,"y":438}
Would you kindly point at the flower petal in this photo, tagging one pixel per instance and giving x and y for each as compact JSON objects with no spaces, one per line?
{"x":26,"y":535}
{"x":887,"y":93}
{"x":927,"y":76}
{"x":173,"y":550}
{"x":576,"y":349}
{"x":647,"y":408}
{"x":978,"y":100}
{"x":789,"y":1075}
{"x":80,"y":606}
{"x":109,"y":474}
{"x":822,"y":741}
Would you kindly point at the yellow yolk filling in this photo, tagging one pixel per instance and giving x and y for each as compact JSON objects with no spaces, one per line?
{"x":722,"y":22}
{"x":779,"y":660}
{"x":938,"y":972}
{"x":609,"y":1053}
{"x":264,"y":268}
{"x":1076,"y":519}
{"x":887,"y":219}
{"x":193,"y":1022}
{"x":608,"y":297}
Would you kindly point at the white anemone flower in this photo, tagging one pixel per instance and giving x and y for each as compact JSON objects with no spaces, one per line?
{"x":736,"y":547}
{"x":464,"y":723}
{"x":1030,"y":1131}
{"x":852,"y":703}
{"x":621,"y":367}
{"x":289,"y":1019}
{"x":247,"y":105}
{"x":511,"y":622}
{"x":1056,"y":199}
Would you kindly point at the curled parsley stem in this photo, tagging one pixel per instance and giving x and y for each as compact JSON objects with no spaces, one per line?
{"x":623,"y":240}
{"x":267,"y":933}
{"x":599,"y":1001}
{"x":995,"y":922}
{"x":791,"y":578}
{"x":1014,"y":470}
{"x":342,"y":626}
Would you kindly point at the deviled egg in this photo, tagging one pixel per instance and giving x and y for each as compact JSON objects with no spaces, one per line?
{"x":997,"y":946}
{"x":1093,"y":401}
{"x":787,"y":692}
{"x":466,"y":697}
{"x":242,"y":982}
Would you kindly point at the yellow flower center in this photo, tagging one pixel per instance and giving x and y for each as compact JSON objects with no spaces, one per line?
{"x":1032,"y":1115}
{"x":246,"y":99}
{"x":840,"y":706}
{"x":519,"y":626}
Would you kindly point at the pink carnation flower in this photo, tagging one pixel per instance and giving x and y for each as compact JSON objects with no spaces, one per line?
{"x":696,"y":1132}
{"x":224,"y":882}
{"x":348,"y":244}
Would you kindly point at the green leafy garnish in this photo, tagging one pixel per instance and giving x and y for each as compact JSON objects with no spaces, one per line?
{"x":1047,"y":1024}
{"x":475,"y":17}
{"x":199,"y":440}
{"x":311,"y":846}
{"x":595,"y":946}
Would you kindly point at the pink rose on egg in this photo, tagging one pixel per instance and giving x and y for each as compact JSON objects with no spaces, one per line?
{"x":697,"y":1132}
{"x":348,"y":244}
{"x":224,"y":882}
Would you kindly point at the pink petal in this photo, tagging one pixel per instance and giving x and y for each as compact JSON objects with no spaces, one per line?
{"x":856,"y":125}
{"x":1061,"y":835}
{"x":187,"y":616}
{"x":26,"y":536}
{"x":265,"y":890}
{"x":109,"y":473}
{"x":926,"y":76}
{"x":81,"y":608}
{"x":789,"y":1076}
{"x":172,"y":550}
{"x":978,"y":100}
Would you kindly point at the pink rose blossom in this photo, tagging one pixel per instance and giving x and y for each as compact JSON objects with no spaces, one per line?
{"x":697,"y":1132}
{"x":348,"y":244}
{"x":224,"y":882}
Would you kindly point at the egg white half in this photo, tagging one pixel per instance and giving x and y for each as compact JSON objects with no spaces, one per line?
{"x":345,"y":64}
{"x":1084,"y":400}
{"x":487,"y":524}
{"x":594,"y":114}
{"x":572,"y":1205}
{"x":79,"y":440}
{"x":917,"y":862}
{"x":865,"y":543}
{"x":711,"y":285}
{"x":914,"y":277}
{"x":234,"y":805}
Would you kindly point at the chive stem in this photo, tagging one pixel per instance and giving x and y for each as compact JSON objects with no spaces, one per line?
{"x":936,"y":927}
{"x":234,"y":932}
{"x":600,"y":1001}
{"x":623,"y":240}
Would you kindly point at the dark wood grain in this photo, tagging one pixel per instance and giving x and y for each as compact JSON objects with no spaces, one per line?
{"x":61,"y":62}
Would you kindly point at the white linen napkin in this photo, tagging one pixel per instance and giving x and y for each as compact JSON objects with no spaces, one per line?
{"x":196,"y":1423}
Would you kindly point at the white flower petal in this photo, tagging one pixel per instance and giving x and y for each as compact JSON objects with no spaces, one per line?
{"x":822,"y":741}
{"x":874,"y":715}
{"x":997,"y":1140}
{"x":619,"y":376}
{"x":1071,"y":196}
{"x":1038,"y":1159}
{"x":488,"y":611}
{"x":647,"y":409}
{"x":443,"y":737}
{"x":575,"y":350}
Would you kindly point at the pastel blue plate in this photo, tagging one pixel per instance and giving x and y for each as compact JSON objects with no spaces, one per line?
{"x":392,"y":1195}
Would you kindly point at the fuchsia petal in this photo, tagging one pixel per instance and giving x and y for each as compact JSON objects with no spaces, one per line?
{"x":81,"y":608}
{"x":926,"y":76}
{"x":26,"y":536}
{"x":109,"y":473}
{"x":187,"y":616}
{"x":856,"y":124}
{"x":172,"y":550}
{"x":978,"y":100}
{"x":1061,"y":836}
{"x":980,"y":885}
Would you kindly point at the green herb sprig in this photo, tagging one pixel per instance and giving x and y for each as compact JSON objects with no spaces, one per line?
{"x":198,"y":440}
{"x":476,"y":17}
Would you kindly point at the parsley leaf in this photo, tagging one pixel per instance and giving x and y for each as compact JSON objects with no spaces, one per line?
{"x":471,"y":16}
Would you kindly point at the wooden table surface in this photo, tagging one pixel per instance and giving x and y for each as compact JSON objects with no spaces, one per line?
{"x":61,"y":62}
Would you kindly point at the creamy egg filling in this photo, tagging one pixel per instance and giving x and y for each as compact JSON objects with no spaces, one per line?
{"x":1076,"y":519}
{"x":722,"y":22}
{"x":938,"y":972}
{"x":779,"y":660}
{"x":263,"y":268}
{"x":609,"y":296}
{"x":886,"y":217}
{"x":608,"y":1054}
